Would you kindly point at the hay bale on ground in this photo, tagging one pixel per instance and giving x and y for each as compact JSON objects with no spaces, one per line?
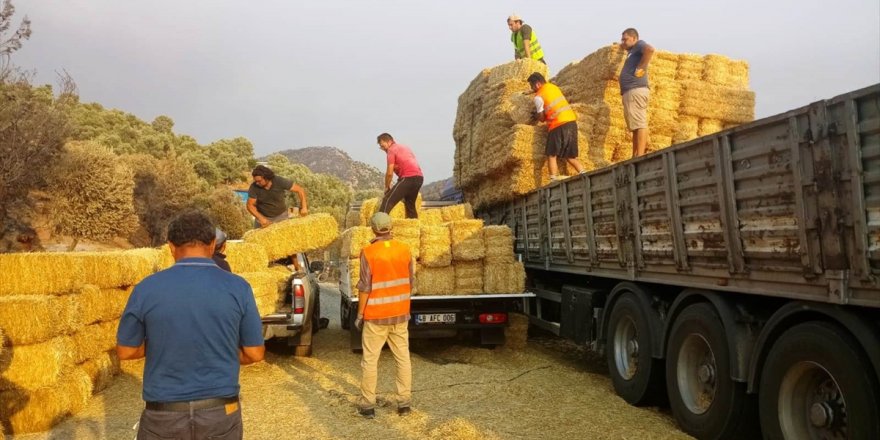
{"x":516,"y":334}
{"x":499,"y":244}
{"x":300,"y":234}
{"x":92,"y":340}
{"x":504,"y":278}
{"x":101,"y":369}
{"x":34,"y":366}
{"x":354,"y":240}
{"x":468,"y":277}
{"x":30,"y":319}
{"x":408,"y":232}
{"x":434,"y":280}
{"x":462,"y":211}
{"x":435,"y":246}
{"x":467,"y":240}
{"x":38,"y":410}
{"x":246,"y":257}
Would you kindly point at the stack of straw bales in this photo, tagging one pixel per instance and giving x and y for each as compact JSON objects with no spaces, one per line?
{"x":455,"y":254}
{"x":499,"y":155}
{"x":299,"y":234}
{"x":58,"y":317}
{"x":59,"y":313}
{"x":370,"y":206}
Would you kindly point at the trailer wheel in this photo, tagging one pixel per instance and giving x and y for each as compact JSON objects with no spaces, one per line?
{"x":344,"y":313}
{"x":705,"y":401}
{"x":816,"y":383}
{"x":637,"y":377}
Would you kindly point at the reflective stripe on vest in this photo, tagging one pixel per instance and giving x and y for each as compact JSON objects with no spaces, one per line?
{"x":557,"y":111}
{"x":536,"y":51}
{"x":389,"y":262}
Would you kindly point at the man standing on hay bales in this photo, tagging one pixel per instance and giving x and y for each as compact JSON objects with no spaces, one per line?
{"x":562,"y":138}
{"x":386,"y":279}
{"x":634,"y":87}
{"x":267,"y":197}
{"x":524,"y":39}
{"x":401,"y":161}
{"x":195,"y":323}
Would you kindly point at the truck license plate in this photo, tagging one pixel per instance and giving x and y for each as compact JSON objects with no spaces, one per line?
{"x":436,"y":318}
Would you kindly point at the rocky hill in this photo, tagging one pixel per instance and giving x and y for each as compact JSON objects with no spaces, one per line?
{"x":333,"y":161}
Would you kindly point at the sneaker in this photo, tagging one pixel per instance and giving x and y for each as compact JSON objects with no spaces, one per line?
{"x":403,"y":411}
{"x":367,"y":413}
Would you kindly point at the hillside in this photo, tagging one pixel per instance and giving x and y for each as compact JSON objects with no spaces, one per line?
{"x":333,"y":161}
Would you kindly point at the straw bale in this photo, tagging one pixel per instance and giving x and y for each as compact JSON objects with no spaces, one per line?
{"x":516,"y":334}
{"x":722,"y":71}
{"x":408,"y":232}
{"x":246,"y":257}
{"x":368,"y":208}
{"x":266,"y":290}
{"x":300,"y":234}
{"x":518,"y":69}
{"x":499,"y":244}
{"x":29,"y":319}
{"x":38,"y":410}
{"x":101,"y":369}
{"x":97,"y":304}
{"x":504,"y":278}
{"x":709,"y":126}
{"x":43,"y":273}
{"x":33,"y":366}
{"x":468,"y":277}
{"x":658,"y":142}
{"x":151,"y":256}
{"x":351,"y":274}
{"x":92,"y":340}
{"x":688,"y":128}
{"x":716,"y":102}
{"x":467,"y":240}
{"x":435,"y":247}
{"x":435,"y":280}
{"x":166,"y":259}
{"x":431,"y":217}
{"x":690,"y":67}
{"x":354,"y":239}
{"x":462,"y":211}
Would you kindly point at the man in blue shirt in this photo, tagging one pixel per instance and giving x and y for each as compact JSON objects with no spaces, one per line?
{"x":634,"y":87}
{"x":195,"y":323}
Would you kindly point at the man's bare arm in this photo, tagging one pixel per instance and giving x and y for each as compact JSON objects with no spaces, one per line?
{"x":126,"y":353}
{"x":251,"y":355}
{"x":252,"y":208}
{"x":304,"y":209}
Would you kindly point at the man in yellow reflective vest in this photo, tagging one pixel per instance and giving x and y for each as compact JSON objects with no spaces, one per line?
{"x":385,"y":284}
{"x":562,"y":136}
{"x":525,"y":41}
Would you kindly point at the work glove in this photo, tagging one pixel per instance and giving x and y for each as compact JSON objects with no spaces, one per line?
{"x":359,"y":323}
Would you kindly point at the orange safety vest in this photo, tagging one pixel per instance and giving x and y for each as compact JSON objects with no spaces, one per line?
{"x":557,"y":111}
{"x":389,"y":262}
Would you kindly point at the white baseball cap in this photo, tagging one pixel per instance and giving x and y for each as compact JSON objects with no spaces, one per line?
{"x":514,"y":17}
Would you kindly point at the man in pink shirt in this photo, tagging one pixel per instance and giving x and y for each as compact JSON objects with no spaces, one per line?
{"x":401,"y":161}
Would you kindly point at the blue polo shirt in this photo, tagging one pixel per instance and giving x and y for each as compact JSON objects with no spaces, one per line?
{"x":193,"y":316}
{"x":628,"y":79}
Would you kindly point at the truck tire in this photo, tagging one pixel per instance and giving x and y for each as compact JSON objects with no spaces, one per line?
{"x":637,"y":377}
{"x":316,"y":313}
{"x":705,"y":401}
{"x":344,"y":313}
{"x":817,"y":383}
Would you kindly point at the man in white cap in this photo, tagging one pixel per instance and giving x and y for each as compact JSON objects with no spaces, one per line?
{"x":524,"y":39}
{"x":384,"y":288}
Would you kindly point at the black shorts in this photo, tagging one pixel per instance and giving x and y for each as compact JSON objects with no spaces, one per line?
{"x":563,"y":141}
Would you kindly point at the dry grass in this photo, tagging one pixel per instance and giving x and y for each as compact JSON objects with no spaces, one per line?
{"x":354,"y":239}
{"x":102,"y":369}
{"x":408,"y":232}
{"x":246,"y":257}
{"x":467,"y":240}
{"x":34,"y":366}
{"x":499,"y":244}
{"x":38,"y":410}
{"x":300,"y":234}
{"x":267,"y":292}
{"x":92,"y":340}
{"x":468,"y":277}
{"x":504,"y":278}
{"x":435,"y":280}
{"x":435,"y":246}
{"x":431,"y":217}
{"x":462,"y":211}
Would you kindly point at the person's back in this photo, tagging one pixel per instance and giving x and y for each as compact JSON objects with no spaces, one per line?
{"x":192,"y":313}
{"x":407,"y":165}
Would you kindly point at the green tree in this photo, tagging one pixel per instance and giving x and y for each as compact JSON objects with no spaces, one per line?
{"x":163,"y":124}
{"x":234,"y":158}
{"x":92,"y":194}
{"x":228,"y":212}
{"x":13,"y":42}
{"x":326,"y":193}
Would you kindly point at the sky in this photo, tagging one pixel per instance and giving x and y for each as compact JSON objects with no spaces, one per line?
{"x":292,"y":74}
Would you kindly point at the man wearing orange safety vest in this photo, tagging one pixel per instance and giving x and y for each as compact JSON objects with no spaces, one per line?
{"x":385,"y":284}
{"x":562,"y":138}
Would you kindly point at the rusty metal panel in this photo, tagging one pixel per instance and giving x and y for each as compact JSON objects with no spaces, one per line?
{"x":728,"y":202}
{"x":699,"y":205}
{"x":827,"y":194}
{"x":674,"y":212}
{"x":576,"y":220}
{"x":654,"y":243}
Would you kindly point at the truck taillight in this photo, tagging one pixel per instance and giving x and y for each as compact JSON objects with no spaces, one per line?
{"x":299,"y":299}
{"x":493,"y":318}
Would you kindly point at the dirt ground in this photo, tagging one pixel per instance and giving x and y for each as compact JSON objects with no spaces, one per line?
{"x":549,"y":390}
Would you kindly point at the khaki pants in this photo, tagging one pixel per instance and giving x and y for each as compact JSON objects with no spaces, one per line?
{"x":374,"y":337}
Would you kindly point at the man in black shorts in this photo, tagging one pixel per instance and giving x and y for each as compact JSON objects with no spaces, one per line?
{"x":562,"y":138}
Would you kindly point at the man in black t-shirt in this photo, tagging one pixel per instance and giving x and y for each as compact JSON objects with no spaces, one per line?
{"x":267,"y":197}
